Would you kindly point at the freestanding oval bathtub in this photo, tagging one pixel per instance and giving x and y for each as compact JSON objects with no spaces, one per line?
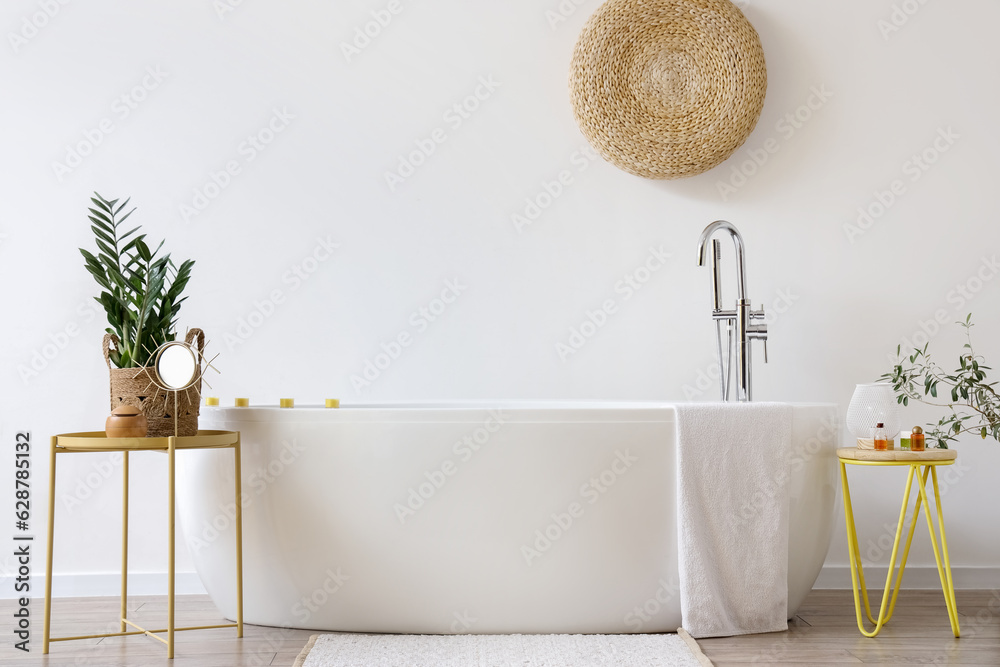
{"x":547,"y":517}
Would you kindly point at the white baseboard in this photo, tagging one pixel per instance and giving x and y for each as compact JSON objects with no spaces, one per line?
{"x":188,"y":583}
{"x":915,"y":577}
{"x":97,"y":585}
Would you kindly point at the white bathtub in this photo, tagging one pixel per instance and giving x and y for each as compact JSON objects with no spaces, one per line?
{"x":443,"y":518}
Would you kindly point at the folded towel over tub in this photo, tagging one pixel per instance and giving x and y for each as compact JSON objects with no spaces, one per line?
{"x":733,"y":522}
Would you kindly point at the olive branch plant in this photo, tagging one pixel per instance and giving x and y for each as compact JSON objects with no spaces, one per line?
{"x":141,"y":290}
{"x":974,"y":405}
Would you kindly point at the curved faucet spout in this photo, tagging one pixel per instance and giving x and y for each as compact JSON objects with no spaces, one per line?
{"x":741,"y":281}
{"x":739,"y":322}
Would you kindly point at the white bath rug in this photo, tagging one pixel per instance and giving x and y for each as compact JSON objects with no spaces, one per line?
{"x":369,"y":650}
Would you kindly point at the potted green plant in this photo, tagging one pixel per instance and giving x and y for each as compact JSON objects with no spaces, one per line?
{"x":974,"y":406}
{"x":141,"y":295}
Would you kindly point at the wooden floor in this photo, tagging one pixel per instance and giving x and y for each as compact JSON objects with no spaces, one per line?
{"x":824,"y":632}
{"x":197,"y":648}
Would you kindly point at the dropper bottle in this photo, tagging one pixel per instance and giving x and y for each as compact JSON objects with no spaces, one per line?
{"x":881,"y":441}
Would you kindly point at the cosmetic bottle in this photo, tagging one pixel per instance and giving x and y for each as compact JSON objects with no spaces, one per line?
{"x":880,"y":437}
{"x":917,"y":439}
{"x":904,"y":441}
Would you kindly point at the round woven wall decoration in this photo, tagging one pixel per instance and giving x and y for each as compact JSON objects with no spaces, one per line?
{"x":667,"y":88}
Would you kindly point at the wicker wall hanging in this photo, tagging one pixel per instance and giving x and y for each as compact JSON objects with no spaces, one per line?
{"x":667,"y":88}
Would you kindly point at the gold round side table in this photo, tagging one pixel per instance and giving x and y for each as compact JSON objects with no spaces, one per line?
{"x":928,"y":461}
{"x":97,"y":441}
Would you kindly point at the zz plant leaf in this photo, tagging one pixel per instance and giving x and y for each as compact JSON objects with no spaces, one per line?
{"x":140,"y":289}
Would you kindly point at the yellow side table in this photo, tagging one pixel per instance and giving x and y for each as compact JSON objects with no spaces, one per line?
{"x":96,"y":441}
{"x":928,"y":460}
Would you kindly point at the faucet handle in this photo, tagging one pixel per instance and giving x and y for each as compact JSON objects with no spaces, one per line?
{"x":758,"y":332}
{"x":757,"y":314}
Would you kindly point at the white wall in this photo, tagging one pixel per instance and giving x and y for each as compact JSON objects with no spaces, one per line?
{"x":221,"y":77}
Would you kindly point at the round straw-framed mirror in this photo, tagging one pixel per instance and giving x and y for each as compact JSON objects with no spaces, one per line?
{"x":176,"y":366}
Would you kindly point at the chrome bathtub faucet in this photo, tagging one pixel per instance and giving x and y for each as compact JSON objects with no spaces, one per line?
{"x":741,"y":319}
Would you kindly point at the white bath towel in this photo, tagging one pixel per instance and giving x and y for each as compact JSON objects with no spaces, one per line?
{"x":733,"y":500}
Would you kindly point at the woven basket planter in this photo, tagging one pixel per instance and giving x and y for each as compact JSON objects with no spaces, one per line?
{"x":667,"y":88}
{"x":135,"y":387}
